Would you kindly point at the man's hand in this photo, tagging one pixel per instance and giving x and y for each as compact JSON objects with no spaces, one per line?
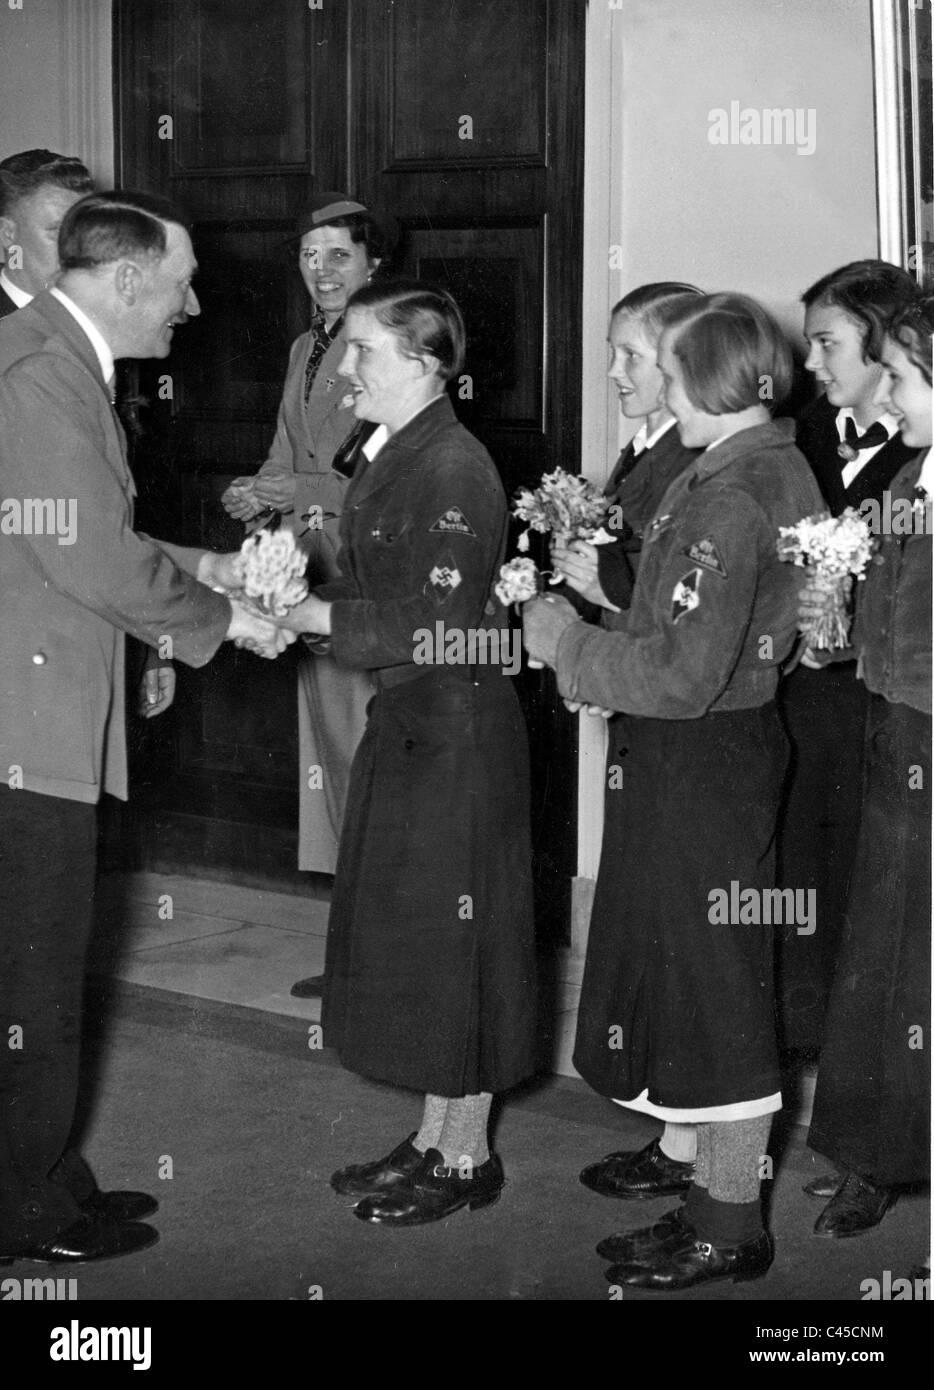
{"x":259,"y":635}
{"x":276,"y":490}
{"x":311,"y":615}
{"x":156,"y":690}
{"x":577,"y":564}
{"x":240,"y":501}
{"x":220,"y":571}
{"x":543,"y":621}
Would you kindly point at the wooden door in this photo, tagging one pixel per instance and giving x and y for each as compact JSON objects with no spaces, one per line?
{"x":464,"y":119}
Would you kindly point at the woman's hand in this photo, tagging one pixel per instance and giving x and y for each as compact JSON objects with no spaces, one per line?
{"x":577,"y":564}
{"x":575,"y":706}
{"x":239,"y":500}
{"x":276,"y":490}
{"x":311,"y":615}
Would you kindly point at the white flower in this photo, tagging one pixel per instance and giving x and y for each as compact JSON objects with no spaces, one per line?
{"x":273,"y":569}
{"x":518,"y":581}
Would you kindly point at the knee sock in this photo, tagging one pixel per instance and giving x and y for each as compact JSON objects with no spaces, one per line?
{"x":464,"y":1137}
{"x":702,"y":1161}
{"x":429,"y":1135}
{"x":679,"y":1142}
{"x":730,"y":1212}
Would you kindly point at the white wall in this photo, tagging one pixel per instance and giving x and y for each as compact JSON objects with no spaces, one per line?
{"x":55,"y":81}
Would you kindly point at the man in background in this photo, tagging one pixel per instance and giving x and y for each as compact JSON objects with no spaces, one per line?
{"x":37,"y":188}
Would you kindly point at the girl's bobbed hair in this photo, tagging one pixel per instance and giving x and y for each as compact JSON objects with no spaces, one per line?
{"x":733,"y":354}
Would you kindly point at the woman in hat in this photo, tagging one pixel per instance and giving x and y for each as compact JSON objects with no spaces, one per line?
{"x":340,"y":247}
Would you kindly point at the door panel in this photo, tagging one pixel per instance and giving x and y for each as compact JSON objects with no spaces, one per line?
{"x":464,"y":120}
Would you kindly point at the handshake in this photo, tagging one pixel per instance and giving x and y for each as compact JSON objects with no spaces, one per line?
{"x":251,"y":629}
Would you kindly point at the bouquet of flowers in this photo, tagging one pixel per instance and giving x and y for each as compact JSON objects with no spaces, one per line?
{"x":271,"y":572}
{"x":836,"y":550}
{"x":570,"y":508}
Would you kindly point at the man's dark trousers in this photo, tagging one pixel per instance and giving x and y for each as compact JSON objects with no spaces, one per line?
{"x":48,"y":850}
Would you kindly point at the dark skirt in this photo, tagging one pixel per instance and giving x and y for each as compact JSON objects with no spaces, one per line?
{"x":872,"y":1103}
{"x":825,"y":719}
{"x":671,"y":1002}
{"x":430,"y":972}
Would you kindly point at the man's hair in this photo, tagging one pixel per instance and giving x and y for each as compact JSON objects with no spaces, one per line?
{"x":912,"y":328}
{"x":727,"y":344}
{"x":649,"y":304}
{"x":23,"y":174}
{"x":108,"y":227}
{"x":423,"y":317}
{"x":870,"y":292}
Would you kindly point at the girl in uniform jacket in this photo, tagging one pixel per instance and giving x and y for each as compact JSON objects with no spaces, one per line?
{"x":676,"y":1011}
{"x":853,"y":443}
{"x":871,"y":1111}
{"x":430,"y":961}
{"x":604,"y":575}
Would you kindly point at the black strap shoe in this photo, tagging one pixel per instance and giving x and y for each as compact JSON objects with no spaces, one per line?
{"x":120,"y":1206}
{"x":857,"y":1206}
{"x":310,"y":988}
{"x":434,"y":1192}
{"x":383,"y":1174}
{"x":639,"y":1175}
{"x":697,"y":1263}
{"x":89,"y":1238}
{"x":671,"y":1231}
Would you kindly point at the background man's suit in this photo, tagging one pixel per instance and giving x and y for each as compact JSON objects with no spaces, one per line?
{"x":64,"y":610}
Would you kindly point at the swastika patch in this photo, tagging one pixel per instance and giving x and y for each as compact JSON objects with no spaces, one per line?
{"x":705,"y":552}
{"x":685,"y":597}
{"x":453,"y":521}
{"x":442,"y":581}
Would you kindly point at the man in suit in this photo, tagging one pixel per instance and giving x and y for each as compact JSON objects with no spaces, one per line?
{"x":37,"y":187}
{"x":75,"y":577}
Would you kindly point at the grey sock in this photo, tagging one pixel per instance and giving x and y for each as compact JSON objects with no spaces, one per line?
{"x":702,"y":1162}
{"x":737,"y":1148}
{"x":429,"y":1135}
{"x":464,"y":1137}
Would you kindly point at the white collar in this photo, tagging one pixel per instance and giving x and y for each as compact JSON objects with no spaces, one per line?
{"x":98,"y":342}
{"x":887,"y":421}
{"x":19,"y":297}
{"x":379,"y":436}
{"x":926,"y":476}
{"x":642,"y":440}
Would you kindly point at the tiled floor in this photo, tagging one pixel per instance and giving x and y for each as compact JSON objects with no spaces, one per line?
{"x":213,"y":940}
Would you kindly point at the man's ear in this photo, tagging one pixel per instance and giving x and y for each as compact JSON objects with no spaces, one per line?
{"x":128,"y":281}
{"x":7,"y":232}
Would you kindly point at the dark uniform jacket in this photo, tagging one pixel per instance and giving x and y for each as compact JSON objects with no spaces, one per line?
{"x":438,"y":805}
{"x":892,"y":630}
{"x":7,"y":305}
{"x":818,"y":439}
{"x":423,"y":538}
{"x":637,"y":485}
{"x":714,"y":612}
